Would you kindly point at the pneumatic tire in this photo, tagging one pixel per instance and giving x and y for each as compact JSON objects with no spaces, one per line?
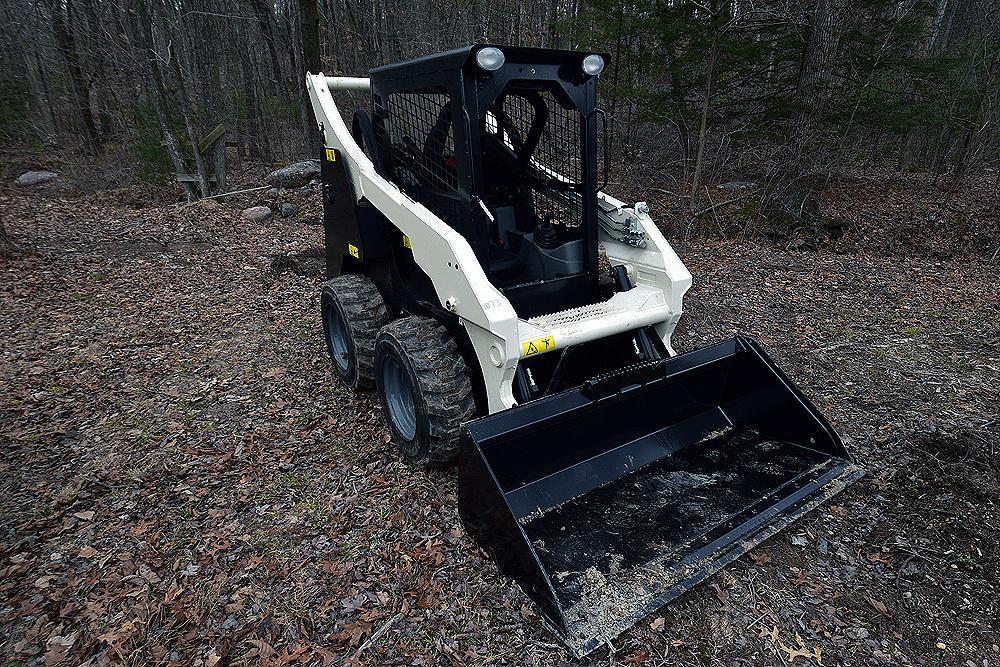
{"x":353,"y":313}
{"x":423,"y":385}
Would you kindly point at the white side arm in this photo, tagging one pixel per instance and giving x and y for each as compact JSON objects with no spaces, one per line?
{"x":442,"y":253}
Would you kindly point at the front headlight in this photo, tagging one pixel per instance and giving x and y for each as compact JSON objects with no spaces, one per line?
{"x":593,"y":64}
{"x":490,"y":58}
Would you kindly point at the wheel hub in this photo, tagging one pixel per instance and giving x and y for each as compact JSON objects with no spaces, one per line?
{"x":337,"y":337}
{"x":399,"y":398}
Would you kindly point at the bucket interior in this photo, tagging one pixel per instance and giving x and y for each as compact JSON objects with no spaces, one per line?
{"x":628,"y":500}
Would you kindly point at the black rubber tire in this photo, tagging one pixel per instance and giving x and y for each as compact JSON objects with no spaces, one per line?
{"x":439,"y":380}
{"x":363,"y":311}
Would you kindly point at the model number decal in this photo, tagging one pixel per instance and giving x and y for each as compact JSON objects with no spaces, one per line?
{"x":331,"y":156}
{"x":353,"y":251}
{"x":536,"y":345}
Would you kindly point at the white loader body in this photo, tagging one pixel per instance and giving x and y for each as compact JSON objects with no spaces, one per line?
{"x":499,"y":337}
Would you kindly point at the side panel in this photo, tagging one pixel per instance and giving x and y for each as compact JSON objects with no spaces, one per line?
{"x":342,"y":237}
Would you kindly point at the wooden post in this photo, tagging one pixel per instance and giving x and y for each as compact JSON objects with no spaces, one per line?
{"x":213,"y":147}
{"x":213,"y":150}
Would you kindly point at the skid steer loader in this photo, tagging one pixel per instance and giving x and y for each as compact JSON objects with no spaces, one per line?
{"x":465,"y":221}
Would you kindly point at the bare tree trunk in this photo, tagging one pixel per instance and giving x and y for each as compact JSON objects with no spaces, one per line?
{"x":913,"y":148}
{"x":977,"y":125}
{"x":815,"y":89}
{"x":260,"y":147}
{"x":263,"y":11}
{"x":190,"y":127}
{"x":39,"y":92}
{"x":158,"y":96}
{"x":310,"y":63}
{"x":62,"y":16}
{"x":699,"y":162}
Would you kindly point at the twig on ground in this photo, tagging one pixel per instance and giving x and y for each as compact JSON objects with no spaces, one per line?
{"x":378,"y":634}
{"x":236,"y":192}
{"x":715,"y":218}
{"x":148,"y":343}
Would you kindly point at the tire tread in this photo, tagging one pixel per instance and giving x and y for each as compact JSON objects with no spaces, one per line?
{"x":366,"y":315}
{"x":444,"y":381}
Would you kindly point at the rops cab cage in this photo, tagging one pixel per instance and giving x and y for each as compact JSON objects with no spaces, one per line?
{"x":508,"y":160}
{"x":466,"y":230}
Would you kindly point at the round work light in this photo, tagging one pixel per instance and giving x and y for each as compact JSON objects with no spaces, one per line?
{"x":593,"y":64}
{"x":491,"y":58}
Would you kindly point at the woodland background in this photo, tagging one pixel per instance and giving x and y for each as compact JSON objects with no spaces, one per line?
{"x":790,"y":94}
{"x":182,"y":481}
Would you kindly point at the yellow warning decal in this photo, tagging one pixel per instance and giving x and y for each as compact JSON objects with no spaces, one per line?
{"x":331,"y":155}
{"x":406,"y":241}
{"x":543,"y":344}
{"x":353,"y":251}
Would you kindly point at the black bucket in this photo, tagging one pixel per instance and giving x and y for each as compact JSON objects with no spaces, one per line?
{"x":606,"y":501}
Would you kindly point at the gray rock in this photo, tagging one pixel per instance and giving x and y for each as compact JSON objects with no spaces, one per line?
{"x":295,"y":175}
{"x":273,"y":193}
{"x":257,"y":213}
{"x":34,"y":178}
{"x":288,"y":209}
{"x":737,"y":185}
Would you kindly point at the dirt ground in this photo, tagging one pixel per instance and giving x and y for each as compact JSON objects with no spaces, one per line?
{"x":182,"y":482}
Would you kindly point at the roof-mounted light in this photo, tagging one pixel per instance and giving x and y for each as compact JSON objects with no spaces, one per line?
{"x":593,"y":64}
{"x":490,"y":58}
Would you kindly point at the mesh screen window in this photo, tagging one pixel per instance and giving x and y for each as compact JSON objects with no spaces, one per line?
{"x":558,"y":148}
{"x":556,"y":156}
{"x":419,"y":139}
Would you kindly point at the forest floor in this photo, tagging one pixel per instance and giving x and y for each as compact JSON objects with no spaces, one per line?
{"x":183,"y":483}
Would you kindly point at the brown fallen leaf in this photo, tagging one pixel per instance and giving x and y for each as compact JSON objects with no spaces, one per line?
{"x":354,"y":633}
{"x":770,"y":635}
{"x":879,"y":606}
{"x":802,"y":652}
{"x":84,"y":516}
{"x":636,"y":657}
{"x":657,"y":623}
{"x":57,"y":648}
{"x":720,"y":593}
{"x":87,"y":552}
